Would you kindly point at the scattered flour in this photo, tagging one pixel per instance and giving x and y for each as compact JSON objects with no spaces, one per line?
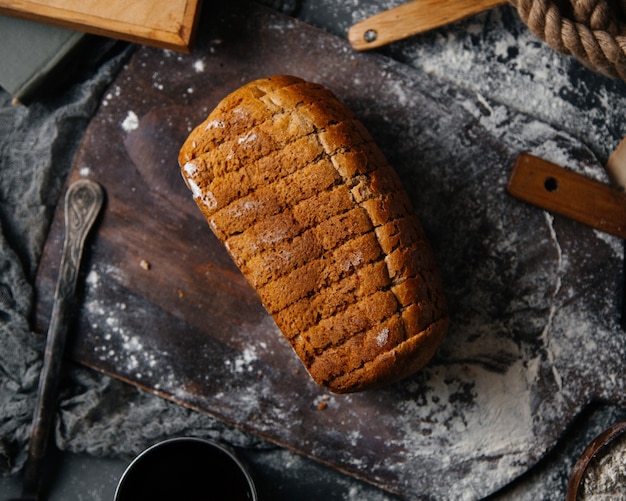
{"x":199,"y":66}
{"x":190,"y":168}
{"x":131,"y":122}
{"x":382,"y":337}
{"x":244,"y":362}
{"x":119,"y":345}
{"x":251,"y":136}
{"x":214,"y":124}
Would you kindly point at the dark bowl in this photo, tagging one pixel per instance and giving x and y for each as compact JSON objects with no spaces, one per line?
{"x":186,"y":468}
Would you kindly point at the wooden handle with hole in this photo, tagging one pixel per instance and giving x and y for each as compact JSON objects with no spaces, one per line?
{"x":569,"y":194}
{"x":412,"y":18}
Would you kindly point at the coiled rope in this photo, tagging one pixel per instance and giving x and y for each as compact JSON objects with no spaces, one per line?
{"x":593,"y":31}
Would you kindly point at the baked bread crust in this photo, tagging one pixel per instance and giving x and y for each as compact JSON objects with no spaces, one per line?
{"x":319,"y":224}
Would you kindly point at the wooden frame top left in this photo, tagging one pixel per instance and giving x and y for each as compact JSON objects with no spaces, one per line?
{"x":168,"y":24}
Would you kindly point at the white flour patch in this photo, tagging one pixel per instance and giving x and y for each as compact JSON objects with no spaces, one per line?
{"x":382,"y":337}
{"x":114,"y":93}
{"x":244,"y":361}
{"x":214,"y":124}
{"x":196,"y":192}
{"x":209,"y":200}
{"x":190,"y":168}
{"x":131,"y":122}
{"x":545,"y":335}
{"x":248,"y":138}
{"x":199,"y":66}
{"x":118,"y":344}
{"x":616,"y":244}
{"x":400,"y":93}
{"x":206,"y":197}
{"x":353,"y":260}
{"x":93,"y":278}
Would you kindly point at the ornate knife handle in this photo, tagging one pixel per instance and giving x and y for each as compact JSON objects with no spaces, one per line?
{"x":83,"y":202}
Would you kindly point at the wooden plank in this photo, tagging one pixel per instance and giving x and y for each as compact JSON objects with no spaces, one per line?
{"x":569,"y":194}
{"x":162,"y":23}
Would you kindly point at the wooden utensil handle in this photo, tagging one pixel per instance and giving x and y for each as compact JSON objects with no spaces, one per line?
{"x":82,"y":205}
{"x":569,"y":194}
{"x":412,"y":18}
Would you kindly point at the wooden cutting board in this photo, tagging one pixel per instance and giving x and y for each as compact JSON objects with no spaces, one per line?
{"x":161,"y":23}
{"x":534,"y":298}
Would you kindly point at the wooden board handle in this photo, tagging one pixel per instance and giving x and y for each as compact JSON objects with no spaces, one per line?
{"x":412,"y":18}
{"x":569,"y":194}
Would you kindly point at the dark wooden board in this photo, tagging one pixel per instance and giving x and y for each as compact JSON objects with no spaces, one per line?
{"x":534,"y":298}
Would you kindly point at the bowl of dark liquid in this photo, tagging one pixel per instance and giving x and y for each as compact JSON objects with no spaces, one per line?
{"x":190,"y":469}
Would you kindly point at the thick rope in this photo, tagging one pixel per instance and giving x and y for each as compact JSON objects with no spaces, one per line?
{"x":593,"y":31}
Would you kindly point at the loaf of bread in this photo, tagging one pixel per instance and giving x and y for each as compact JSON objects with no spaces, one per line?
{"x":311,"y":212}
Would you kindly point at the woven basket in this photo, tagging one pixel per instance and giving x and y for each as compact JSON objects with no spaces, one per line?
{"x":593,"y":31}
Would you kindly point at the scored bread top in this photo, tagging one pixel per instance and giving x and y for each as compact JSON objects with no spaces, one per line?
{"x":319,"y":224}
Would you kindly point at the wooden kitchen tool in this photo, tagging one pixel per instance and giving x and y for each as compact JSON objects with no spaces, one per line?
{"x":569,"y":194}
{"x":416,"y":16}
{"x":163,"y":23}
{"x":83,"y":202}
